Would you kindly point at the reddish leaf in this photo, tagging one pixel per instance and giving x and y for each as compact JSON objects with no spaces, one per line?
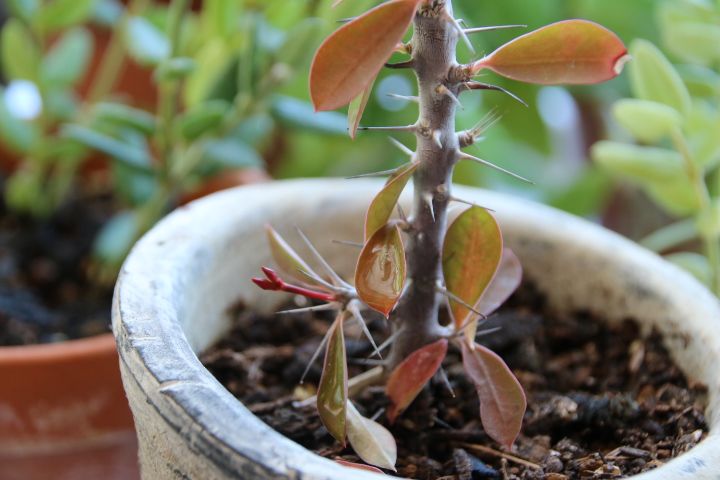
{"x":409,"y":378}
{"x":357,"y":108}
{"x":370,"y":440}
{"x":471,"y":255}
{"x":380,"y":272}
{"x":506,"y":280}
{"x":352,"y":56}
{"x":568,"y":52}
{"x":359,"y":466}
{"x":384,"y":202}
{"x":502,"y":400}
{"x":333,"y":389}
{"x":286,"y":258}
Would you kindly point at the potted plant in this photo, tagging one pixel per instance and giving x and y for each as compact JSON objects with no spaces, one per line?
{"x":173,"y":296}
{"x":86,"y":175}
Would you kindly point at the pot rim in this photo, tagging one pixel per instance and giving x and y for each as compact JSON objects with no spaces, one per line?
{"x":88,"y":347}
{"x":190,"y":393}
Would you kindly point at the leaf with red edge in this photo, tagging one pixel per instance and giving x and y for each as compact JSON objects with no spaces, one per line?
{"x":506,"y":280}
{"x":357,"y":108}
{"x":287,"y":259}
{"x":471,"y":255}
{"x":568,"y":52}
{"x":380,"y":272}
{"x":354,"y":54}
{"x":384,"y":202}
{"x":409,"y":378}
{"x":370,"y":440}
{"x":502,"y":399}
{"x":359,"y":466}
{"x":332,"y":393}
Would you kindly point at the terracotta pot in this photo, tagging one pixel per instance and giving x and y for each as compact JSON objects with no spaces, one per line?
{"x":63,"y":413}
{"x":175,"y":290}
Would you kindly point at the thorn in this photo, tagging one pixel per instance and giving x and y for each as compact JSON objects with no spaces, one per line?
{"x":408,"y":98}
{"x":382,"y":173}
{"x":401,"y":213}
{"x":459,"y":30}
{"x":377,"y":414}
{"x":455,"y":298}
{"x":390,"y":340}
{"x":443,"y":376}
{"x":348,"y":243}
{"x":402,"y":147}
{"x":487,"y":331}
{"x":316,"y":308}
{"x":346,"y":20}
{"x":404,"y":128}
{"x":315,"y":355}
{"x":442,"y":423}
{"x":355,"y":311}
{"x":428,"y":199}
{"x":473,"y":135}
{"x":436,"y":136}
{"x":468,"y":202}
{"x":443,"y":90}
{"x":373,"y":362}
{"x":486,"y":86}
{"x":491,"y":28}
{"x":406,"y":64}
{"x":316,"y":278}
{"x":467,"y":156}
{"x":337,"y":281}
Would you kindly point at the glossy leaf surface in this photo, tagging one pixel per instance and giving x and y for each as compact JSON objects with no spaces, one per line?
{"x":409,"y":378}
{"x":352,"y":56}
{"x":567,"y":52}
{"x":357,"y":108}
{"x":332,"y":396}
{"x":370,"y":440}
{"x":471,"y":256}
{"x":384,"y":203}
{"x":502,"y":400}
{"x":381,"y":270}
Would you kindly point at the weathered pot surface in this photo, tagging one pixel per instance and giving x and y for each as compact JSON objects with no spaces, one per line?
{"x":174,"y":291}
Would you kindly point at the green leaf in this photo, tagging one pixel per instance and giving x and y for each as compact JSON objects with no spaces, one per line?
{"x":648,"y":121}
{"x":471,"y":256}
{"x":381,"y":270}
{"x":116,"y":237}
{"x":694,"y":42}
{"x":354,"y":54}
{"x":177,"y":68}
{"x":357,"y":108}
{"x":653,"y":77}
{"x":676,"y":196}
{"x":567,"y":52}
{"x":671,"y":236}
{"x":708,"y":221}
{"x":203,"y":118}
{"x":121,"y":115}
{"x":694,"y":263}
{"x":127,"y":153}
{"x":145,"y":42}
{"x":371,"y":441}
{"x":298,"y":48}
{"x":61,"y":104}
{"x":23,"y":9}
{"x":20,"y":54}
{"x":332,"y":396}
{"x":59,"y":14}
{"x":227,"y":153}
{"x":643,"y":165}
{"x":502,"y":400}
{"x":16,"y":134}
{"x":299,"y":115}
{"x":701,"y":81}
{"x":384,"y":203}
{"x":287,"y":259}
{"x":68,"y":59}
{"x":411,"y":375}
{"x":702,"y":130}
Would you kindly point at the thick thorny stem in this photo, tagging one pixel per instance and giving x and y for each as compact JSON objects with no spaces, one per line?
{"x":433,"y":46}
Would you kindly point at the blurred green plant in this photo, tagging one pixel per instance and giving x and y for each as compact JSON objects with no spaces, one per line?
{"x":217,"y":72}
{"x":674,"y":122}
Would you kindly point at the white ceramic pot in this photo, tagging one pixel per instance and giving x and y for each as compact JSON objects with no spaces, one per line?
{"x":174,"y":291}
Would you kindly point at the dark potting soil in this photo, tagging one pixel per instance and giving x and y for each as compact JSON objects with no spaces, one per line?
{"x":46,"y":294}
{"x":602,"y":402}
